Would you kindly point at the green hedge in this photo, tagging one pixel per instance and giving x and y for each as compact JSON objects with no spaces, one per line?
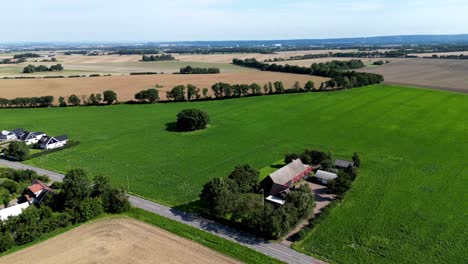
{"x":70,"y":144}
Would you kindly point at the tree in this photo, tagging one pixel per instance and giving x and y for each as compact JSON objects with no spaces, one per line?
{"x":205,"y":92}
{"x":109,"y":96}
{"x":191,"y":120}
{"x":6,"y":242}
{"x":296,"y":87}
{"x":88,"y":209}
{"x":74,"y":100}
{"x":101,"y":184}
{"x":94,"y":99}
{"x":177,"y":93}
{"x":288,"y":158}
{"x":356,"y":159}
{"x":309,"y":86}
{"x":246,"y":178}
{"x":115,"y":201}
{"x":76,"y":187}
{"x":152,"y":95}
{"x":279,"y":87}
{"x":270,"y":88}
{"x":192,"y":92}
{"x":10,"y":185}
{"x":220,"y":195}
{"x":255,"y":88}
{"x":18,"y":150}
{"x":265,"y":89}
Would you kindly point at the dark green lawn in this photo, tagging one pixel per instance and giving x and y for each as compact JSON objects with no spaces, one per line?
{"x":408,"y":204}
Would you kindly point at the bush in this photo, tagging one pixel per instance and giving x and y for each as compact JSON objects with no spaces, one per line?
{"x":191,"y":120}
{"x":17,"y":150}
{"x":88,"y":209}
{"x":10,"y":185}
{"x":6,"y":242}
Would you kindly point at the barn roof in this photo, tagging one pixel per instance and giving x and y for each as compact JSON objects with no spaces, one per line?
{"x":289,"y":172}
{"x":325,"y":175}
{"x":343,"y":163}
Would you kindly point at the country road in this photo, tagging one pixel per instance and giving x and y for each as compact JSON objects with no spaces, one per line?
{"x":273,"y":249}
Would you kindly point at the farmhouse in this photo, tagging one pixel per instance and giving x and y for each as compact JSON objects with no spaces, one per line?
{"x":53,"y":142}
{"x":325,"y":176}
{"x":12,"y":135}
{"x":37,"y":191}
{"x":343,"y":164}
{"x":285,"y":177}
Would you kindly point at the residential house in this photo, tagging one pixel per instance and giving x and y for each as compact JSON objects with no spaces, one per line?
{"x":343,"y":164}
{"x":285,"y":177}
{"x":37,"y":191}
{"x":31,"y":138}
{"x":325,"y":176}
{"x":11,"y":135}
{"x":53,"y":142}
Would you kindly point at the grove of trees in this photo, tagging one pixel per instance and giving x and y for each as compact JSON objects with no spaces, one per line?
{"x":76,"y":200}
{"x":42,"y":101}
{"x":162,"y":57}
{"x":42,"y":68}
{"x":198,"y":70}
{"x":191,"y":120}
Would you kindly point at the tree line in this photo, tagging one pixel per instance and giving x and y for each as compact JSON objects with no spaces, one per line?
{"x":42,"y":101}
{"x":42,"y":68}
{"x":26,"y":55}
{"x":237,"y":201}
{"x":108,"y":97}
{"x":75,"y":200}
{"x":338,"y":71}
{"x":162,"y":57}
{"x":199,"y":70}
{"x":10,"y":61}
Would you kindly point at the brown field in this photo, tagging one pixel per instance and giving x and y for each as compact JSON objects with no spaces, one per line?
{"x":307,"y":63}
{"x":116,"y":241}
{"x":439,"y":53}
{"x":126,"y":86}
{"x":227,"y":58}
{"x":440,"y":74}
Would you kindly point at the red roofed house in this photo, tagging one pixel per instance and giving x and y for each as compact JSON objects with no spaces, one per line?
{"x":36,"y":191}
{"x":285,"y":177}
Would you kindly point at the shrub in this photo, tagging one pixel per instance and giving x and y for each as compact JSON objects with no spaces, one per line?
{"x":18,"y":150}
{"x":88,"y":209}
{"x":10,"y":185}
{"x":6,"y":242}
{"x":191,"y":120}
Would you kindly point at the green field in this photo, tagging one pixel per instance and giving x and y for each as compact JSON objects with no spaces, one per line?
{"x":408,"y":204}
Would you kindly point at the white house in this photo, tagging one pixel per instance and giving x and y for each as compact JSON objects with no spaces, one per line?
{"x":53,"y":142}
{"x":7,"y":135}
{"x":325,"y":176}
{"x":31,"y":138}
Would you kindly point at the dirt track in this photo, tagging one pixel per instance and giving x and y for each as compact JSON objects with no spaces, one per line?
{"x":126,"y":86}
{"x":116,"y":241}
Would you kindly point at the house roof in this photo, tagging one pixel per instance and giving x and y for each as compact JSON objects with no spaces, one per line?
{"x":343,"y":163}
{"x":35,"y":188}
{"x":289,"y":172}
{"x":325,"y":175}
{"x":275,"y":199}
{"x":61,"y":138}
{"x":45,"y":186}
{"x":18,"y":131}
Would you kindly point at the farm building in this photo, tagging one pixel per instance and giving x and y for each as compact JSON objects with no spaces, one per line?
{"x":13,"y":210}
{"x":285,"y":177}
{"x":325,"y":176}
{"x":53,"y":142}
{"x":343,"y":164}
{"x":12,"y":135}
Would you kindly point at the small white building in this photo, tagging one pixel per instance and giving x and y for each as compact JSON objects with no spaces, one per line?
{"x":13,"y":210}
{"x":31,"y":138}
{"x":53,"y":142}
{"x":7,"y":135}
{"x":325,"y":176}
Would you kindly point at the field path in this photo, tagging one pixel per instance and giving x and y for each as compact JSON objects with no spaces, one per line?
{"x":273,"y":249}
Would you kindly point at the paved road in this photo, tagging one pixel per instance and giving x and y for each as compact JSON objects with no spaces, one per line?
{"x":273,"y":249}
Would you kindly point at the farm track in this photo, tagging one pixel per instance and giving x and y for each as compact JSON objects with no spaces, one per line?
{"x":273,"y":249}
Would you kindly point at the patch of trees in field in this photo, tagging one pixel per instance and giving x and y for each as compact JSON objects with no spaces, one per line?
{"x":131,"y":51}
{"x":222,"y":50}
{"x":26,"y":55}
{"x":199,"y":70}
{"x":42,"y":101}
{"x":108,"y":97}
{"x":237,"y":201}
{"x":338,"y":71}
{"x":42,"y":68}
{"x":162,"y":57}
{"x":10,"y":61}
{"x":76,"y":200}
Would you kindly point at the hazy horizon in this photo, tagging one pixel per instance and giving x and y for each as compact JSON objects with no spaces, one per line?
{"x":212,"y":20}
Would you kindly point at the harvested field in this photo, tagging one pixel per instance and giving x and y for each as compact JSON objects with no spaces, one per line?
{"x":121,"y":240}
{"x":439,"y":53}
{"x":227,"y":58}
{"x":126,"y":86}
{"x":439,"y":74}
{"x":307,"y":63}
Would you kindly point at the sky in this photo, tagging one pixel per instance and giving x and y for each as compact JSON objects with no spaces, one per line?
{"x":183,"y":20}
